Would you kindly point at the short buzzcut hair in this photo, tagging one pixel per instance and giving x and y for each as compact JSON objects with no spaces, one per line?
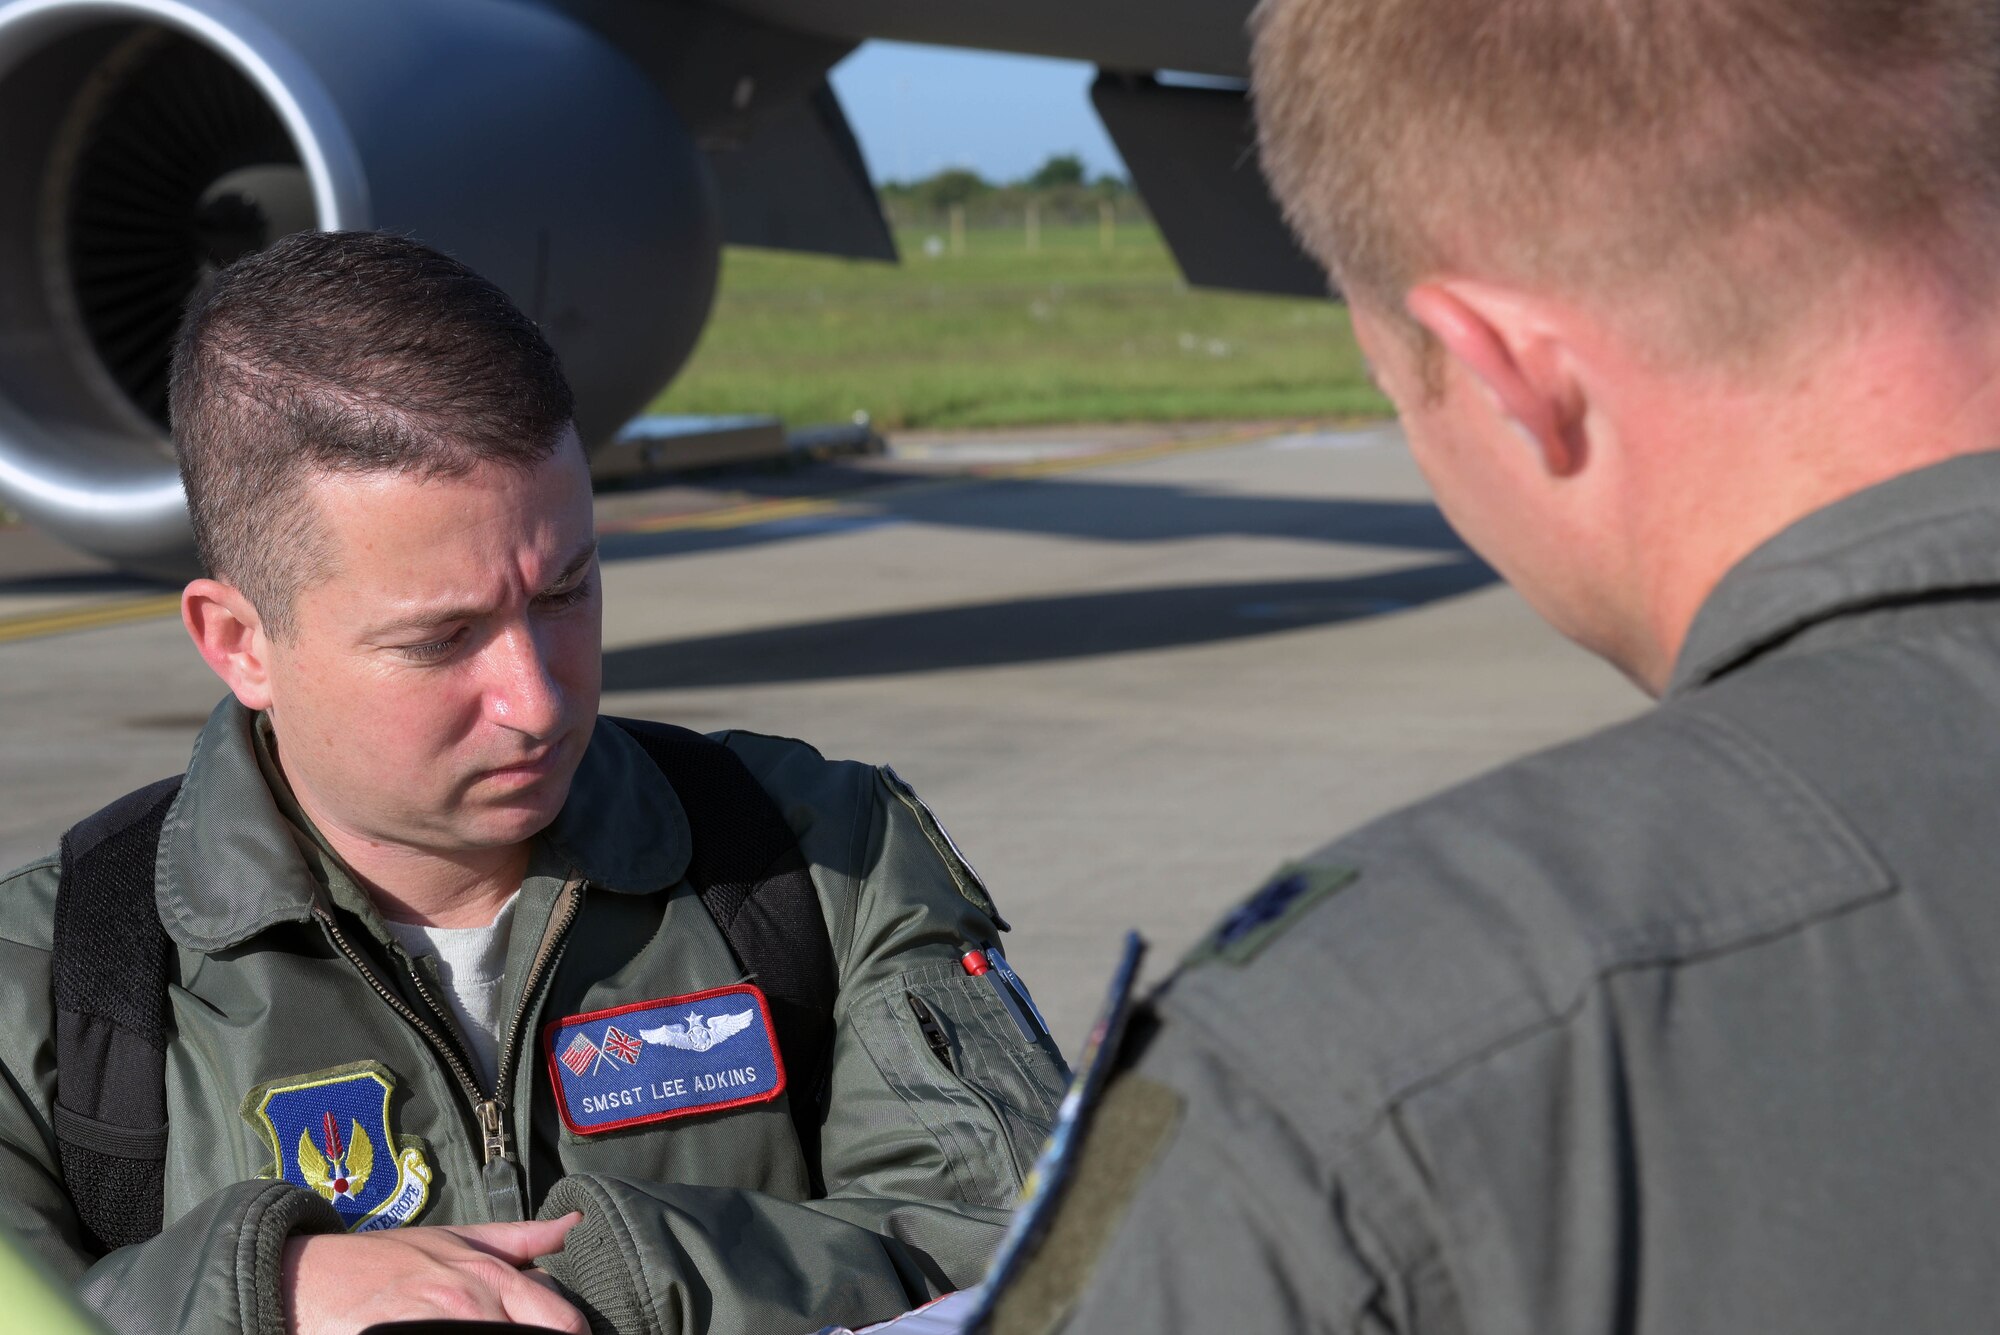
{"x":344,"y":353}
{"x":1729,"y":155}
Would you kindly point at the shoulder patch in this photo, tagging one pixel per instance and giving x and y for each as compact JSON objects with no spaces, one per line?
{"x":672,"y":1057}
{"x":1133,"y":1123}
{"x":329,"y":1132}
{"x":1284,"y":898}
{"x":962,"y":875}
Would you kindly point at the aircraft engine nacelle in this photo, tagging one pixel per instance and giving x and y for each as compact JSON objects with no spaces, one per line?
{"x":145,"y":143}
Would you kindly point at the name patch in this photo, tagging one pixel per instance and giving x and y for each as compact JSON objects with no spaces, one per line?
{"x":674,"y":1057}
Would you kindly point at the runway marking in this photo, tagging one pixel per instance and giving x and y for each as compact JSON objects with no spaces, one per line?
{"x":749,"y":514}
{"x":34,"y":625}
{"x":1131,"y":454}
{"x":745,"y":514}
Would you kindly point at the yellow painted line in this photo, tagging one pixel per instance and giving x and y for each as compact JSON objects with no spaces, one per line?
{"x":1159,"y":449}
{"x":32,"y":625}
{"x":729,"y":516}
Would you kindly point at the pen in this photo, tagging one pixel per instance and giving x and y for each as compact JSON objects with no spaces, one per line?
{"x":980,"y":964}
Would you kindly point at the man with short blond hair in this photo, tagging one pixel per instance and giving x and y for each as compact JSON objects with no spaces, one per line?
{"x":1687,"y":308}
{"x":1706,"y":171}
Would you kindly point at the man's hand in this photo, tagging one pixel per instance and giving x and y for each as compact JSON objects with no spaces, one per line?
{"x":337,"y":1283}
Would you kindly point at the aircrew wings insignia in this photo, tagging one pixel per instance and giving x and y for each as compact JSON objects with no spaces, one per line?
{"x":699,"y":1035}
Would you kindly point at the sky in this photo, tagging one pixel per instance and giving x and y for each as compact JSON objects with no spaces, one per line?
{"x":919,"y":109}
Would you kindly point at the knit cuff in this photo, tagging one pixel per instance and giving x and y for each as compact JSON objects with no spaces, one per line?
{"x":599,"y":1263}
{"x":271,"y":1218}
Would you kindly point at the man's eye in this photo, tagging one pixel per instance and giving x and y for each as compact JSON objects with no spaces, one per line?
{"x":569,"y":597}
{"x":435,"y":650}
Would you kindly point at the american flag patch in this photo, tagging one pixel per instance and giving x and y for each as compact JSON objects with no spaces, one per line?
{"x":580,"y":1053}
{"x":620,"y":1044}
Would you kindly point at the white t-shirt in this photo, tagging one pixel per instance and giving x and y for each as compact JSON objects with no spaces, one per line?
{"x":472,"y":964}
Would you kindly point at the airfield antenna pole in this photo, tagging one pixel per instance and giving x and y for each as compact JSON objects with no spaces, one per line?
{"x":1107,"y":225}
{"x":958,"y":229}
{"x":1034,"y":225}
{"x":903,"y":128}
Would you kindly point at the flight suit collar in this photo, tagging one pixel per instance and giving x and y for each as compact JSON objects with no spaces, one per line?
{"x":1932,"y":531}
{"x":623,"y":826}
{"x":230,"y":866}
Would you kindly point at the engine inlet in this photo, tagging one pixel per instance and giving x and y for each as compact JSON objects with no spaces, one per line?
{"x":169,"y":166}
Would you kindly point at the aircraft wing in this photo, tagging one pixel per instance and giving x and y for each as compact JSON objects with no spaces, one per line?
{"x":590,"y":156}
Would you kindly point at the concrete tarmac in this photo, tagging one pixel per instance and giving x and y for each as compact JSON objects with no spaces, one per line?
{"x":1132,"y":669}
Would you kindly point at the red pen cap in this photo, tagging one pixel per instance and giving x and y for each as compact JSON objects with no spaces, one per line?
{"x":974,"y":962}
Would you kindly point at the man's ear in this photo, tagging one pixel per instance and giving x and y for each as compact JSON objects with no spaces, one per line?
{"x":1519,"y":357}
{"x":230,"y":637}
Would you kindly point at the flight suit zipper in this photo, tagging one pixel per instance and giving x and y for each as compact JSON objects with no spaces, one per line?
{"x":488,"y":1110}
{"x":933,"y":1032}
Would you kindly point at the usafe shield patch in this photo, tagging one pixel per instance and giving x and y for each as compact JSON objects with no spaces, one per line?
{"x":329,"y":1132}
{"x":674,"y":1057}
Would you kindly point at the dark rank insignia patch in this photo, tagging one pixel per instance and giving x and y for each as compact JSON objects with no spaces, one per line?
{"x":674,"y":1057}
{"x":1252,"y":925}
{"x":329,"y":1132}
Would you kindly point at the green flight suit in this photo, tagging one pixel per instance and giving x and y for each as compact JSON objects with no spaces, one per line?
{"x":701,"y":1223}
{"x":1693,"y":1025}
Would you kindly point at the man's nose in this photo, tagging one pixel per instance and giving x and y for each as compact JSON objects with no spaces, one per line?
{"x":521,"y":694}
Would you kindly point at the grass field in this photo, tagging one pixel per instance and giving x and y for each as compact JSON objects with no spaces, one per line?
{"x":1001,"y":336}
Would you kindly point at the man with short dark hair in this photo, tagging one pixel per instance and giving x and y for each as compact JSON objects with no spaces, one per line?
{"x":1687,"y":309}
{"x":467,"y":1002}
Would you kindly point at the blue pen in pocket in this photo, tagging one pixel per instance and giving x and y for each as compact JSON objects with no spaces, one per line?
{"x":993,"y":966}
{"x":980,"y":964}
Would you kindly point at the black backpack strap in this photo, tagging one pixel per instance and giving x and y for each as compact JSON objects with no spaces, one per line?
{"x":110,"y":970}
{"x":748,"y":870}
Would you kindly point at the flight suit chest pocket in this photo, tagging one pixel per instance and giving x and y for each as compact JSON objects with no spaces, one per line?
{"x":985,"y":1090}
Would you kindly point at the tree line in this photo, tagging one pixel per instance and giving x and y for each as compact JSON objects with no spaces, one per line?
{"x":1061,"y":189}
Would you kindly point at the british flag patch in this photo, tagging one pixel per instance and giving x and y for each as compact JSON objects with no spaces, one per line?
{"x":673,"y":1057}
{"x":621,"y":1045}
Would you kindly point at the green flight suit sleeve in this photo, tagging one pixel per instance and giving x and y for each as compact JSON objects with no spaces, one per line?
{"x":216,"y":1269}
{"x":923,"y":1152}
{"x":1196,"y":1206}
